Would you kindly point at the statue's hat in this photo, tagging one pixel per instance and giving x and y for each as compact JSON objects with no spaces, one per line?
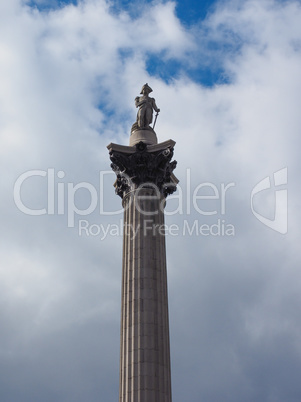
{"x":146,"y":86}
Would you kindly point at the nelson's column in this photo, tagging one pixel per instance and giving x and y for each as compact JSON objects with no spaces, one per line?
{"x":144,"y":179}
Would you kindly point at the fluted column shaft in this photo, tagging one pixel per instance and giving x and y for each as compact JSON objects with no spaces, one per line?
{"x":145,"y":351}
{"x":144,"y":178}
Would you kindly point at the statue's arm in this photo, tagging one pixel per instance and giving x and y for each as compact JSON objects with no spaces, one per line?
{"x":138,"y":101}
{"x":155,"y":107}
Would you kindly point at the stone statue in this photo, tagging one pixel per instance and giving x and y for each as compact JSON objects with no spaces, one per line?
{"x":146,"y":106}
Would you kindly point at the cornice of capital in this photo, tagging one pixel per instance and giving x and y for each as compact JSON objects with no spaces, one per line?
{"x":142,"y":164}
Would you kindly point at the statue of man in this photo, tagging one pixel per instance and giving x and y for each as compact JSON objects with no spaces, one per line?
{"x":146,"y":106}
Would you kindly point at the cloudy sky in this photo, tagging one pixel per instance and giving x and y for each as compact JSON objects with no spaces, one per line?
{"x":226,"y":76}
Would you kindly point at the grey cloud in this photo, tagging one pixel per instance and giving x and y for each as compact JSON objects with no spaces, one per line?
{"x":234,"y":300}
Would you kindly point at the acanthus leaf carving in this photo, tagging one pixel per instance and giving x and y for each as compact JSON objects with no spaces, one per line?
{"x":142,"y":167}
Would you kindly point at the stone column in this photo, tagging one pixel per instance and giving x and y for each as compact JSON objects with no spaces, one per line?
{"x":144,"y":179}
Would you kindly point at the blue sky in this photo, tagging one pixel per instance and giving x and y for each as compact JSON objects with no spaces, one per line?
{"x":190,"y":13}
{"x":226,"y":76}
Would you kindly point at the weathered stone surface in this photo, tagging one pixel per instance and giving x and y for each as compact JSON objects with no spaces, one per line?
{"x":145,"y":105}
{"x":143,"y":164}
{"x":144,"y":179}
{"x":147,"y":136}
{"x":145,"y":351}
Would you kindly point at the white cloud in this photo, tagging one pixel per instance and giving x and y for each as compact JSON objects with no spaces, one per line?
{"x":68,"y":78}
